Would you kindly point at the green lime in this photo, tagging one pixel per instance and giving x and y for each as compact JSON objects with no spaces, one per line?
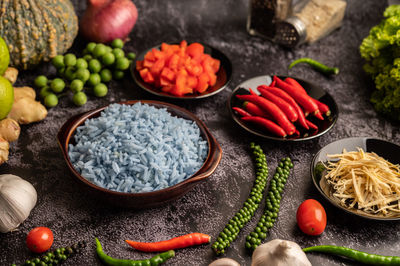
{"x":6,"y":97}
{"x":117,"y":43}
{"x":4,"y":56}
{"x":79,"y":98}
{"x":100,"y":90}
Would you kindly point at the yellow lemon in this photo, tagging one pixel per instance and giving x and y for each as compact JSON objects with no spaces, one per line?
{"x":4,"y":56}
{"x":6,"y":97}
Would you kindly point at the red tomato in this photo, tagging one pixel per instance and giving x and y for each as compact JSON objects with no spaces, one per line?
{"x":39,"y":239}
{"x":311,"y":217}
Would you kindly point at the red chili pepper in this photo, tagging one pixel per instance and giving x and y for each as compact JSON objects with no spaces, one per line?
{"x":241,"y":112}
{"x":174,"y":243}
{"x":254,"y":110}
{"x":272,"y":109}
{"x":321,"y":106}
{"x":289,"y":111}
{"x":252,"y":92}
{"x":303,"y":99}
{"x":319,"y":116}
{"x":273,"y":83}
{"x":289,"y":99}
{"x":295,"y":84}
{"x":311,"y":125}
{"x":266,"y":124}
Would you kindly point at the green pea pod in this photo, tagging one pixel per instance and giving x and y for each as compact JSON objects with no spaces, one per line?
{"x":156,"y":260}
{"x":356,"y":255}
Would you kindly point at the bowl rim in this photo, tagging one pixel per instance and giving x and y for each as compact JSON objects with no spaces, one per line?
{"x":227,"y":68}
{"x":359,"y":214}
{"x":250,"y":130}
{"x":79,"y":119}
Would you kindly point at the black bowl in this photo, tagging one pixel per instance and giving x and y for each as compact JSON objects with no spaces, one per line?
{"x":224,"y":76}
{"x":313,"y":90}
{"x":385,"y":149}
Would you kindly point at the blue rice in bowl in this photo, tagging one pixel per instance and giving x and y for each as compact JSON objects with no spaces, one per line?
{"x":137,"y":148}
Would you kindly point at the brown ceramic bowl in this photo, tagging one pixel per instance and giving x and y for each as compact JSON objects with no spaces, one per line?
{"x":146,"y":199}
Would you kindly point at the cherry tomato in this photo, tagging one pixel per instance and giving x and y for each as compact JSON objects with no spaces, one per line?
{"x":39,"y":239}
{"x":311,"y":217}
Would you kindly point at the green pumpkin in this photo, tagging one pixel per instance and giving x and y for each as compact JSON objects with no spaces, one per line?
{"x":37,"y":30}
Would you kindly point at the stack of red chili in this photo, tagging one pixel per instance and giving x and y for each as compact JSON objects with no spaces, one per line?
{"x":282,"y":106}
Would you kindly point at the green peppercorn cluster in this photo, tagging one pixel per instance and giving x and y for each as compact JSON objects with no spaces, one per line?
{"x":272,"y":204}
{"x":99,"y":65}
{"x":56,"y":257}
{"x":243,"y":216}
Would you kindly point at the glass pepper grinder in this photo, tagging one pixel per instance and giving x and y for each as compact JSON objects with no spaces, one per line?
{"x":264,"y":14}
{"x":310,"y":21}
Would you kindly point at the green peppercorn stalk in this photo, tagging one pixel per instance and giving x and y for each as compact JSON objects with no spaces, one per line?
{"x":272,"y":205}
{"x":243,"y":216}
{"x":55,"y":257}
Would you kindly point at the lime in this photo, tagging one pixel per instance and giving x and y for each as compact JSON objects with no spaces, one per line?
{"x":6,"y":97}
{"x":4,"y":56}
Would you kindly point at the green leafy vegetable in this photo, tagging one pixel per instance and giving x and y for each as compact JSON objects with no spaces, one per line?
{"x":381,"y":50}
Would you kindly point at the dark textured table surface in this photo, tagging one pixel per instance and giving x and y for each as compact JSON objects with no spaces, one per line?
{"x":73,"y":215}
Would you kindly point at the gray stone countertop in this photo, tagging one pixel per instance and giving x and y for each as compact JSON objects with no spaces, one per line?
{"x":65,"y":207}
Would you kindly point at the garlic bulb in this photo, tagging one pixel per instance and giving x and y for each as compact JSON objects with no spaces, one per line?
{"x":17,"y":199}
{"x":224,"y":262}
{"x":279,"y":252}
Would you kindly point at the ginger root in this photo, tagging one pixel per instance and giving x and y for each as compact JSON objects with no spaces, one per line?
{"x":4,"y":146}
{"x":9,"y":129}
{"x":11,"y":74}
{"x":25,"y":109}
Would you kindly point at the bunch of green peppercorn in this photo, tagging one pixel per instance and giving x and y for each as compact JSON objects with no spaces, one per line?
{"x":99,"y":65}
{"x":272,"y":204}
{"x":243,"y":216}
{"x":56,"y":257}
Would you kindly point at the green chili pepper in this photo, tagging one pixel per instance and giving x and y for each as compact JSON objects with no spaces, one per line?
{"x":356,"y":255}
{"x":156,"y":260}
{"x":316,"y":65}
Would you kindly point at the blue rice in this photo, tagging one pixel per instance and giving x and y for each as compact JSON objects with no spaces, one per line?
{"x":137,"y":148}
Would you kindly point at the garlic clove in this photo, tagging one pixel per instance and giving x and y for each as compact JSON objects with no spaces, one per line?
{"x":224,"y":262}
{"x":17,"y":199}
{"x":279,"y":252}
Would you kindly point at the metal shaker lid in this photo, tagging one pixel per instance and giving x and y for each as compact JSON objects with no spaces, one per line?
{"x":290,"y":32}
